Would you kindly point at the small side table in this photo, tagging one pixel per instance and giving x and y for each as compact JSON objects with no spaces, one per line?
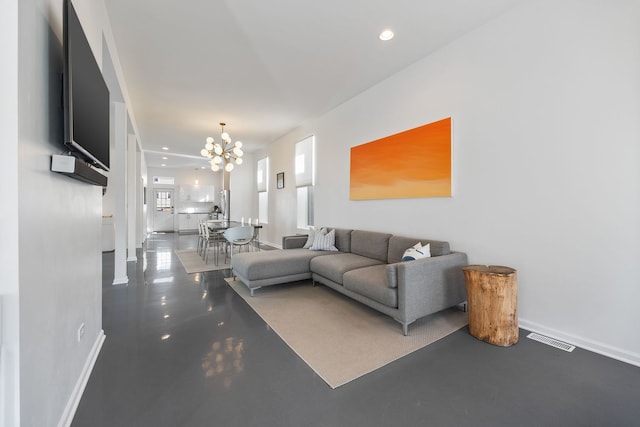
{"x":492,"y":298}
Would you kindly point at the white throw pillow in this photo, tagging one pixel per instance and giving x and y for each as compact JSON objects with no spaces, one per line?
{"x":324,"y":242}
{"x":417,"y":251}
{"x":312,"y":235}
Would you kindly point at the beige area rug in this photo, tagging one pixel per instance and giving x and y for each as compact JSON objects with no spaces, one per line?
{"x":192,"y":262}
{"x":341,"y":339}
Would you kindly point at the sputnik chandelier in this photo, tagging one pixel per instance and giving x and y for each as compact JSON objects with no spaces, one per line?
{"x":224,"y":154}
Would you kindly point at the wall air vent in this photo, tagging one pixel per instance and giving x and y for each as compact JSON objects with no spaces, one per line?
{"x":552,"y":342}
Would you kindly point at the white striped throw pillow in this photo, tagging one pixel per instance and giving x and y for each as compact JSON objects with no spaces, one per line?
{"x":324,"y":242}
{"x":312,"y":234}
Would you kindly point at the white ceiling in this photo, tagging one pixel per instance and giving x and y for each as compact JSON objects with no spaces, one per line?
{"x":264,"y":67}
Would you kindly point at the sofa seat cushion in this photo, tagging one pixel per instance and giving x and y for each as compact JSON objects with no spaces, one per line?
{"x":334,"y":266}
{"x":371,"y":282}
{"x":275,"y":263}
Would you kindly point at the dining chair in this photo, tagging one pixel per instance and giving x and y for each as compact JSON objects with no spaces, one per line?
{"x":256,"y":236}
{"x":214,"y":239}
{"x":238,"y":236}
{"x":201,"y":237}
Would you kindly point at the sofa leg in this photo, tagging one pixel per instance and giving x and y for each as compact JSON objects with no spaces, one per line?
{"x":405,"y":329}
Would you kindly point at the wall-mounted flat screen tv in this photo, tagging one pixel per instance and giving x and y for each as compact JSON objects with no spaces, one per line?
{"x":86,"y":96}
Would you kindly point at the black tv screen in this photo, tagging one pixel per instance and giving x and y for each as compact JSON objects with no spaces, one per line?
{"x":86,"y":96}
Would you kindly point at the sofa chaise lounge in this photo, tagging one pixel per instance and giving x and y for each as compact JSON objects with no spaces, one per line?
{"x":366,"y":267}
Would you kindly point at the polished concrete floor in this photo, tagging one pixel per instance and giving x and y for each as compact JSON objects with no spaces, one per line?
{"x":185,"y":350}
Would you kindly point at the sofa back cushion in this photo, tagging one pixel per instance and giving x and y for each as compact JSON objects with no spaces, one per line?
{"x":397,"y":246}
{"x":343,"y":239}
{"x":370,"y":244}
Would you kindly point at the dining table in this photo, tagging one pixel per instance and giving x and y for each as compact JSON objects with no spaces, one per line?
{"x":221,"y":225}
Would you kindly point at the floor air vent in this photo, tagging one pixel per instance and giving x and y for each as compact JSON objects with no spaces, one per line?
{"x":552,"y":342}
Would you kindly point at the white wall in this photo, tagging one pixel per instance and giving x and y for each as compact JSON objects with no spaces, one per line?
{"x":184,"y":176}
{"x":53,"y":274}
{"x":545,"y":103}
{"x":59,"y":248}
{"x":9,"y":285}
{"x":243,"y":189}
{"x":282,"y":202}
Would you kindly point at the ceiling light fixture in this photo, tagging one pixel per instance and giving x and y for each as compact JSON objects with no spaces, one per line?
{"x":386,"y":35}
{"x":222,"y":155}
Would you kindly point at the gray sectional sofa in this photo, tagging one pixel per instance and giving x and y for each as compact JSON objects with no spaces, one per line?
{"x":368,"y":268}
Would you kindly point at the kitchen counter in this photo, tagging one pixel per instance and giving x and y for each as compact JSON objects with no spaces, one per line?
{"x":188,"y":221}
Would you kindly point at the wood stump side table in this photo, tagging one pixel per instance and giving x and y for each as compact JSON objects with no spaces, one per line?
{"x":492,"y":299}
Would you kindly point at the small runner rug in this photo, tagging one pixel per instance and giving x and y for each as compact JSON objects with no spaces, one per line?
{"x":341,"y":339}
{"x":193,"y":263}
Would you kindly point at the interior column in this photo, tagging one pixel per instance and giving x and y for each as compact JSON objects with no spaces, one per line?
{"x":118,"y":178}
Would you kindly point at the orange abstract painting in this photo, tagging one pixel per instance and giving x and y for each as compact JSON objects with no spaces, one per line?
{"x":410,"y":164}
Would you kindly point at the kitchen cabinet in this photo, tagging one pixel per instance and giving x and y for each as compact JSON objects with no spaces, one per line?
{"x":188,"y":222}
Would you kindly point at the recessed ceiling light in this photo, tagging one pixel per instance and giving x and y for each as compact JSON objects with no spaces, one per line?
{"x":165,"y":148}
{"x":386,"y":35}
{"x":165,"y":158}
{"x":163,"y":164}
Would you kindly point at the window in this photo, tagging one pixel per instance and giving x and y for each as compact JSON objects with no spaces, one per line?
{"x":163,"y":200}
{"x":164,"y":180}
{"x":304,"y":167}
{"x":263,"y":207}
{"x":305,"y":207}
{"x":262,"y":175}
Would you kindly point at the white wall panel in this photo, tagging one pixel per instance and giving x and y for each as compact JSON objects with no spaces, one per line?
{"x":9,"y":218}
{"x":58,"y":249}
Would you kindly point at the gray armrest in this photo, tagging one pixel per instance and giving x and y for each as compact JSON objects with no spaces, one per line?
{"x":429,"y":285}
{"x":294,"y":242}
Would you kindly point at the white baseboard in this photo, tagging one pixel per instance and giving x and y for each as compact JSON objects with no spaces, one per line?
{"x":132,"y":259}
{"x":76,"y":395}
{"x":585,"y":343}
{"x":121,"y":281}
